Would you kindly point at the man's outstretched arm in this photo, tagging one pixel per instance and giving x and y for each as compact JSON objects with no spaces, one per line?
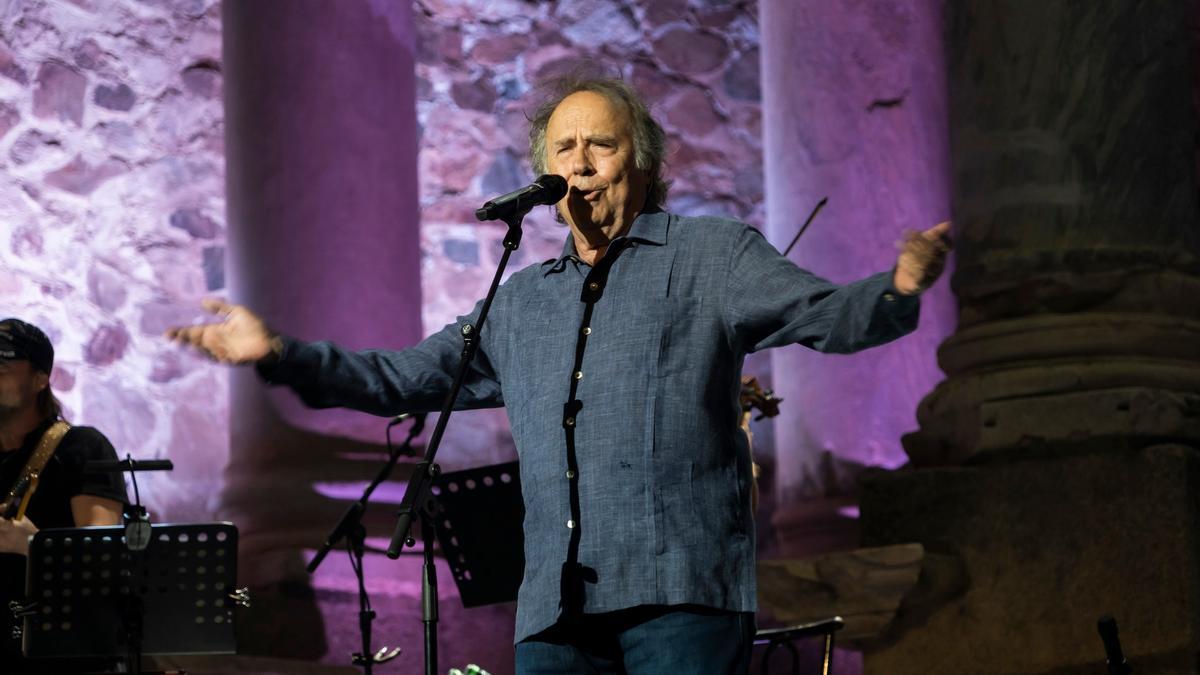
{"x":380,"y":382}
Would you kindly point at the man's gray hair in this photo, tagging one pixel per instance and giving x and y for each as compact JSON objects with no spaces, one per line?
{"x":649,"y":140}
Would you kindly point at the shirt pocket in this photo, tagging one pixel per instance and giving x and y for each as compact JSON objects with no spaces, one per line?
{"x":687,"y":335}
{"x":539,"y":353}
{"x":677,"y":521}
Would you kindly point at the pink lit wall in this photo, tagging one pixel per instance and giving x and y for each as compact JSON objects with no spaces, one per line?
{"x":855,"y":111}
{"x":112,"y":219}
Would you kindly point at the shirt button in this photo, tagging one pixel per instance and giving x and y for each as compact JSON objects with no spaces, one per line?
{"x":570,"y":524}
{"x":579,"y":374}
{"x":594,"y":286}
{"x":570,"y":474}
{"x":587,"y":330}
{"x":889,"y":297}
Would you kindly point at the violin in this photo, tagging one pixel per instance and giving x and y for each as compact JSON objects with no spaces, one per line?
{"x":754,"y":397}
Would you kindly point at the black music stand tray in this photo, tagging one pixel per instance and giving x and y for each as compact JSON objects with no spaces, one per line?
{"x":88,"y":595}
{"x":479,"y":529}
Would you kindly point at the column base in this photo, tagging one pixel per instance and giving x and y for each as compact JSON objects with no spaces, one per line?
{"x":1049,"y":545}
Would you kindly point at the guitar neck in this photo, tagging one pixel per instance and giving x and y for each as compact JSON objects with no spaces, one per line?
{"x":18,"y":499}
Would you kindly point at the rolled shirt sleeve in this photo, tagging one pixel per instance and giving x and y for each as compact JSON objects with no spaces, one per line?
{"x":771,"y":302}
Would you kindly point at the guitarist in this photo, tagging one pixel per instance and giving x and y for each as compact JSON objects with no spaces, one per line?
{"x":64,"y":496}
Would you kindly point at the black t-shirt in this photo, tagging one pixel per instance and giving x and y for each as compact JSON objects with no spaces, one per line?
{"x":61,"y":479}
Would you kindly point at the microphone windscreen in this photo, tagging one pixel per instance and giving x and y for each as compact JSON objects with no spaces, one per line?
{"x":554,"y":185}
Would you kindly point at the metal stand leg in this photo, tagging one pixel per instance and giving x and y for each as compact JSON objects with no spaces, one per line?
{"x":827,"y":666}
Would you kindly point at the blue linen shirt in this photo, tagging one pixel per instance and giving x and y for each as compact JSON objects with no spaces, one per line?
{"x":621,"y":385}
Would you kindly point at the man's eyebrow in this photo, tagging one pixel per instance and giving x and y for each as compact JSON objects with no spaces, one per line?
{"x":604,"y":138}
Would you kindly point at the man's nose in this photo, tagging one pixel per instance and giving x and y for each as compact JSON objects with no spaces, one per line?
{"x":581,"y":164}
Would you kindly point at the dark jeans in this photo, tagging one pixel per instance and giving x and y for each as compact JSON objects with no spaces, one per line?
{"x":652,"y":640}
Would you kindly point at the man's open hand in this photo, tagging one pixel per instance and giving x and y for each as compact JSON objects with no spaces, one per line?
{"x":240,"y":337}
{"x":922,"y":259}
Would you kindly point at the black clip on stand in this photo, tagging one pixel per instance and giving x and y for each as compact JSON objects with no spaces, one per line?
{"x":351,"y":528}
{"x":511,"y":209}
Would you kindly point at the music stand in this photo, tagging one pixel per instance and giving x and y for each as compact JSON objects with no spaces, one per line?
{"x":89,"y":595}
{"x":479,"y":529}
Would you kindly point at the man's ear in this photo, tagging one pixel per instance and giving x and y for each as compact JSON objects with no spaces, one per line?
{"x":40,"y":381}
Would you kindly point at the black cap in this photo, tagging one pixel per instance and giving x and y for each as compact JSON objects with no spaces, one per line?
{"x":20,"y":341}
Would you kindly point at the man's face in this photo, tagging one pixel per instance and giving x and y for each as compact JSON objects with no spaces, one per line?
{"x":19,"y":386}
{"x":589,"y":141}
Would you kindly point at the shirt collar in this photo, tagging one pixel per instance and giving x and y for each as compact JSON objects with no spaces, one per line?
{"x":649,"y":228}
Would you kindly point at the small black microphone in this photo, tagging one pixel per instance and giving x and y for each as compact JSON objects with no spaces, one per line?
{"x":1112,"y":646}
{"x":547,"y":189}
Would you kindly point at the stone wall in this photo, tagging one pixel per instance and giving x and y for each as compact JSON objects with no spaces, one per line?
{"x":112,"y":218}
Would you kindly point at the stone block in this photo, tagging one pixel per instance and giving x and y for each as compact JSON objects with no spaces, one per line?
{"x":117,"y":97}
{"x":9,"y":117}
{"x":107,"y":289}
{"x":88,"y":55}
{"x":11,"y":69}
{"x":475,"y":94}
{"x":693,"y":113}
{"x":500,"y":49}
{"x":1049,"y":545}
{"x":741,"y":79}
{"x":658,"y":12}
{"x":864,"y":587}
{"x":195,"y":222}
{"x":59,"y":93}
{"x":83,"y":178}
{"x":202,"y":79}
{"x":33,"y":145}
{"x":690,"y":51}
{"x":107,"y":345}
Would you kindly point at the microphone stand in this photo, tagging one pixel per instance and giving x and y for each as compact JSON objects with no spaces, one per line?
{"x":351,"y":528}
{"x":417,"y":497}
{"x":136,"y":520}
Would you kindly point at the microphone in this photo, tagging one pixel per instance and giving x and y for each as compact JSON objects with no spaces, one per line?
{"x":1112,"y":646}
{"x":547,"y":189}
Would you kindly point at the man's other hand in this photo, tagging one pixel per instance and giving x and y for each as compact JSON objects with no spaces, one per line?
{"x":15,"y":534}
{"x":922,"y":259}
{"x":240,"y":337}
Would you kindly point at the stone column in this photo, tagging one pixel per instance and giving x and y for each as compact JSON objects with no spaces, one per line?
{"x":1060,"y":454}
{"x":321,"y":144}
{"x":854,"y":109}
{"x":1075,"y":199}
